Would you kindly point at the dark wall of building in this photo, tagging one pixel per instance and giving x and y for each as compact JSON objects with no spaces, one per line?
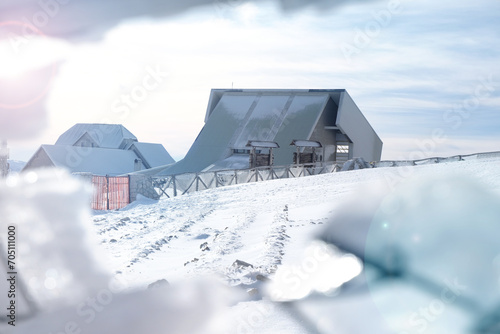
{"x":324,"y":136}
{"x":366,"y":143}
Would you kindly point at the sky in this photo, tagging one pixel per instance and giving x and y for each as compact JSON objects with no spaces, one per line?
{"x":425,"y":74}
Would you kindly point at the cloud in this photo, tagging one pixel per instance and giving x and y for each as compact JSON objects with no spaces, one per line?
{"x":90,"y":19}
{"x":24,"y":22}
{"x":75,"y":19}
{"x":22,"y":113}
{"x":404,"y":80}
{"x":419,"y":147}
{"x":296,"y":4}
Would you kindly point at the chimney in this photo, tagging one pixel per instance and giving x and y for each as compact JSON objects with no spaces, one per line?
{"x":137,"y":165}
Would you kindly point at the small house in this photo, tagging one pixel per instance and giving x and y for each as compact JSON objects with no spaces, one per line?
{"x":100,"y":149}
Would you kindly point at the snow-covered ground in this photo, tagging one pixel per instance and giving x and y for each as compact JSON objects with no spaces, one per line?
{"x":204,"y":233}
{"x":268,"y":225}
{"x":274,"y":227}
{"x":265,"y":224}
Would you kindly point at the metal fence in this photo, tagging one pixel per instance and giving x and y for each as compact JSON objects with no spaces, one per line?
{"x":181,"y":184}
{"x":435,"y":160}
{"x":174,"y":185}
{"x":110,"y":192}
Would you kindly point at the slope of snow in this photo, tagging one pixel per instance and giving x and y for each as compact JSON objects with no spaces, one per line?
{"x":268,"y":225}
{"x":261,"y":223}
{"x":253,"y":223}
{"x":271,"y":226}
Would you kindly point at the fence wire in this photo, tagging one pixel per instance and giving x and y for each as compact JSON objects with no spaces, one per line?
{"x":175,"y":185}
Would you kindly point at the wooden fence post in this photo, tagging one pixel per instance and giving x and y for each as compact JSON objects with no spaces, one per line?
{"x":107,"y":192}
{"x":129,"y":194}
{"x":175,"y":186}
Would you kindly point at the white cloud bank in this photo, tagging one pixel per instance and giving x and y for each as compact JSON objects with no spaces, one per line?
{"x":411,"y":69}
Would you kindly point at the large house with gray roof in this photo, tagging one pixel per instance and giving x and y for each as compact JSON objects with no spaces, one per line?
{"x":235,"y":118}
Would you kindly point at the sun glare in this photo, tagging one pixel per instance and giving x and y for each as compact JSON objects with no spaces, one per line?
{"x":247,"y":12}
{"x":11,"y":66}
{"x":18,"y":59}
{"x":13,"y":71}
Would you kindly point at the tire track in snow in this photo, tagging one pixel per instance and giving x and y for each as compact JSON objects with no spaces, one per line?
{"x":173,"y":234}
{"x":225,"y":242}
{"x":127,"y":231}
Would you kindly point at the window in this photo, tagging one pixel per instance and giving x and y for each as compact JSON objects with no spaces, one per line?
{"x":342,"y":148}
{"x":244,"y":151}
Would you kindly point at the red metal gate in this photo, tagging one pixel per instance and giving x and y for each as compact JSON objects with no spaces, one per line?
{"x":110,"y":192}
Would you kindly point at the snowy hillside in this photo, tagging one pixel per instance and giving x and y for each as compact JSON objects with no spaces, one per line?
{"x":264,"y":223}
{"x":246,"y":235}
{"x":268,"y":225}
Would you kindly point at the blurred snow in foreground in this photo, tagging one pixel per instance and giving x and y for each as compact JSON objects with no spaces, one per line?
{"x":63,"y":278}
{"x":426,"y":245}
{"x":53,"y":232}
{"x":431,"y":252}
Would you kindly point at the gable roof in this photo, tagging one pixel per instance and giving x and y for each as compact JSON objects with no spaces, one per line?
{"x":98,"y":161}
{"x":103,"y":135}
{"x":101,"y":149}
{"x":152,"y":155}
{"x":235,"y":116}
{"x":86,"y":138}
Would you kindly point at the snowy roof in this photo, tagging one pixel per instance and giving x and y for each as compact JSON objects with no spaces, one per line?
{"x":236,"y":161}
{"x":150,"y":171}
{"x":98,"y":161}
{"x":153,"y":155}
{"x":235,"y":116}
{"x":264,"y":144}
{"x":306,"y":143}
{"x":103,"y":135}
{"x":102,"y":149}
